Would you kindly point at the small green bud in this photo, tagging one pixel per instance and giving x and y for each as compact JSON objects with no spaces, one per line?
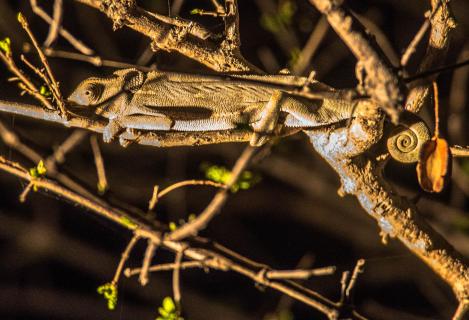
{"x":109,"y":291}
{"x":5,"y":46}
{"x":128,"y":223}
{"x":44,"y":91}
{"x":172,"y":226}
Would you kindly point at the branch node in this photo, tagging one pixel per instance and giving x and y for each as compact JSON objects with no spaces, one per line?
{"x":117,"y":11}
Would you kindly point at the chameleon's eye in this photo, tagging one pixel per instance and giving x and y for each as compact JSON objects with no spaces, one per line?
{"x":93,"y":92}
{"x":88,"y":93}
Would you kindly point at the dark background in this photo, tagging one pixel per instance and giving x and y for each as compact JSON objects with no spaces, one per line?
{"x":53,"y":254}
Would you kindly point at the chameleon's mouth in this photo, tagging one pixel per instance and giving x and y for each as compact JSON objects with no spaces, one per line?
{"x":74,"y":104}
{"x":77,"y":108}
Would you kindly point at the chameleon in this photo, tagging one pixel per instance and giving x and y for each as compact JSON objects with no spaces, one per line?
{"x":169,"y":101}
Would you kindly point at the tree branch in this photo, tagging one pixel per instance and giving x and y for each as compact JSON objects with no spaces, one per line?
{"x":442,"y":25}
{"x":381,"y":82}
{"x":199,"y":249}
{"x":170,"y":34}
{"x":362,"y":177}
{"x":156,"y":139}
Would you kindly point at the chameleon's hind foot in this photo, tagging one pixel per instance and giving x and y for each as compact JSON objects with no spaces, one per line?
{"x":126,"y":142}
{"x":258,"y":139}
{"x":268,"y":117}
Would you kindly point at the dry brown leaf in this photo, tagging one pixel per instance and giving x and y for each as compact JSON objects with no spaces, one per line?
{"x":434,"y":165}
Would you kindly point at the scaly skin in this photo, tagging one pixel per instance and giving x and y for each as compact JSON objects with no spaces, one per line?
{"x":185,"y":102}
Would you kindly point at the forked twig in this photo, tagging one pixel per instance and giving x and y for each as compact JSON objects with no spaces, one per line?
{"x":99,"y":163}
{"x":55,"y":25}
{"x":157,"y":195}
{"x":53,"y":84}
{"x":125,"y":255}
{"x":416,"y":40}
{"x":199,"y":223}
{"x":77,"y":44}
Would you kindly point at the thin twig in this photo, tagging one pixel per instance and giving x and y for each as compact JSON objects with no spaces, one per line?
{"x":77,"y":44}
{"x":436,"y":71}
{"x":344,"y":279}
{"x":315,"y":38}
{"x":72,"y":141}
{"x":54,"y":87}
{"x":125,"y":219}
{"x":94,"y":60}
{"x":24,"y":194}
{"x":99,"y":163}
{"x":462,"y":309}
{"x":459,"y":151}
{"x":199,"y":223}
{"x":218,"y":7}
{"x":33,"y":90}
{"x":416,"y":40}
{"x":177,"y":278}
{"x":149,"y":253}
{"x":38,"y":72}
{"x":55,"y":25}
{"x":300,"y":273}
{"x":157,"y":195}
{"x":168,"y":267}
{"x":437,"y":108}
{"x":353,"y":279}
{"x":124,"y":257}
{"x":184,"y":183}
{"x":12,"y":141}
{"x":153,"y":199}
{"x":202,"y":12}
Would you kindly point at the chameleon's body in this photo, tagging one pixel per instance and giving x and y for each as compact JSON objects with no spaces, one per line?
{"x":185,"y":102}
{"x":166,"y":101}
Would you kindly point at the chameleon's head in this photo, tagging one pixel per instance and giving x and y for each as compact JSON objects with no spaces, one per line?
{"x":94,"y":91}
{"x":89,"y":92}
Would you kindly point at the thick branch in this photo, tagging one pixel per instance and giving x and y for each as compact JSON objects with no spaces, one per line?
{"x":361,"y":174}
{"x":442,"y":25}
{"x":362,"y":177}
{"x":156,"y":139}
{"x":380,"y":82}
{"x":171,"y":35}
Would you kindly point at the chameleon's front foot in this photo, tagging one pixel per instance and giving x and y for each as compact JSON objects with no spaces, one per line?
{"x":111,"y":131}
